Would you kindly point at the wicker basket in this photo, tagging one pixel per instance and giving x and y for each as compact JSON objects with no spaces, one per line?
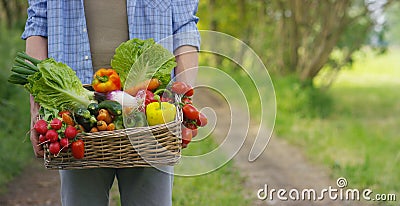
{"x":131,"y":147}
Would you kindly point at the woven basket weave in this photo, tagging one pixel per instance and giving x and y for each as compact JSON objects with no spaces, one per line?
{"x":131,"y":147}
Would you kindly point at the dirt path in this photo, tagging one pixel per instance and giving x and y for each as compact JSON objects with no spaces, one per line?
{"x":281,"y":166}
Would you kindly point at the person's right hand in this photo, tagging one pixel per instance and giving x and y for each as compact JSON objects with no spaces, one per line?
{"x":34,"y":137}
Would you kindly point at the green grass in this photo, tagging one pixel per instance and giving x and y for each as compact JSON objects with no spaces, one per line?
{"x":359,"y":136}
{"x":221,"y":187}
{"x":14,"y":109}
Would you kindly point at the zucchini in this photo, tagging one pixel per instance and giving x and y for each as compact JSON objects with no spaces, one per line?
{"x":93,"y":108}
{"x":114,"y":107}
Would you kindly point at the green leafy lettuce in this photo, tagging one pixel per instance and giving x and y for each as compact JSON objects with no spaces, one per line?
{"x":56,"y":86}
{"x":137,"y":60}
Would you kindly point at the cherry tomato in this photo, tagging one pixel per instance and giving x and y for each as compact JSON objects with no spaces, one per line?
{"x":78,"y":149}
{"x":186,"y":136}
{"x":190,"y":124}
{"x":179,"y":87}
{"x":201,"y":120}
{"x":186,"y":100}
{"x":153,"y":84}
{"x":190,"y":112}
{"x":189,"y":91}
{"x":194,"y":132}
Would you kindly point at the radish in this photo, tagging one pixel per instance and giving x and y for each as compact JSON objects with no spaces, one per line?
{"x":52,"y":135}
{"x":41,"y":126}
{"x":70,"y":132}
{"x":56,"y":124}
{"x":54,"y":148}
{"x":42,"y":138}
{"x":64,"y":144}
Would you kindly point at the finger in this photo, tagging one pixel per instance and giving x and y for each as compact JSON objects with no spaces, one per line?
{"x":37,"y":149}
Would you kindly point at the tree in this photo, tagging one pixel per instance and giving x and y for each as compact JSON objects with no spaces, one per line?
{"x":300,"y":37}
{"x":12,"y":12}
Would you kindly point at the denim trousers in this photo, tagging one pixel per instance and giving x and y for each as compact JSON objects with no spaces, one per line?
{"x":145,"y":186}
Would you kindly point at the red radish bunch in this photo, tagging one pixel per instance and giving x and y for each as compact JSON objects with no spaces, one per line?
{"x":58,"y":136}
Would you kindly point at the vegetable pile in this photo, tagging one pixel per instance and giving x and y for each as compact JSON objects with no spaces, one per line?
{"x":135,"y":92}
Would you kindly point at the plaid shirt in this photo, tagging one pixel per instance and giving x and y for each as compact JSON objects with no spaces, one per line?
{"x":64,"y":25}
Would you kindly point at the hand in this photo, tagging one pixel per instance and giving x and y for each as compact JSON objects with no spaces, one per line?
{"x":34,"y":137}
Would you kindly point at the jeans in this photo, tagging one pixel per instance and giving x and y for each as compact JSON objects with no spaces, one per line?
{"x":137,"y":186}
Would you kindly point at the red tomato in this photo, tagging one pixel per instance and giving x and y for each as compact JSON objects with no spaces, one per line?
{"x":190,"y":112}
{"x":186,"y":100}
{"x":186,"y":136}
{"x":78,"y":149}
{"x":190,"y":124}
{"x":194,"y":132}
{"x":189,"y":91}
{"x":179,"y":87}
{"x":201,"y":120}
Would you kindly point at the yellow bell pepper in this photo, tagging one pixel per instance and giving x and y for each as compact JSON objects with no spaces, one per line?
{"x":160,"y":113}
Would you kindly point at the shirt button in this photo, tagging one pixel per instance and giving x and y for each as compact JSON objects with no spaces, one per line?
{"x":84,"y":30}
{"x":86,"y":57}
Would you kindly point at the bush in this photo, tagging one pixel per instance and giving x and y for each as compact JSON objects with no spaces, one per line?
{"x":302,"y":100}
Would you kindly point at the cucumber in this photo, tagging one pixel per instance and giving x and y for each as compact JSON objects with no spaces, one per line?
{"x":93,"y":108}
{"x":114,"y":107}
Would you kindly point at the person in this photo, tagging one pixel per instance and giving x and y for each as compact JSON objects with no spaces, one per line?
{"x":84,"y":34}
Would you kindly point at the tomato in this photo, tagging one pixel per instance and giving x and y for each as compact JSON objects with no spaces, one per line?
{"x":179,"y":87}
{"x":78,"y":149}
{"x":186,"y":100}
{"x":153,"y":84}
{"x":189,"y":91}
{"x":190,"y":112}
{"x":186,"y":136}
{"x":201,"y":120}
{"x":190,"y":124}
{"x":194,"y":132}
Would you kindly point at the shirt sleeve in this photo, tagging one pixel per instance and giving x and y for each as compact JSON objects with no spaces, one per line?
{"x":184,"y":23}
{"x":36,"y":24}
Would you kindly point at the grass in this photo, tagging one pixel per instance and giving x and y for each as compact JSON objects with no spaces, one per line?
{"x":221,"y":187}
{"x":358,"y":138}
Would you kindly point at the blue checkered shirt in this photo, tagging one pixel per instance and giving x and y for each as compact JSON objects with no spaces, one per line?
{"x":64,"y":25}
